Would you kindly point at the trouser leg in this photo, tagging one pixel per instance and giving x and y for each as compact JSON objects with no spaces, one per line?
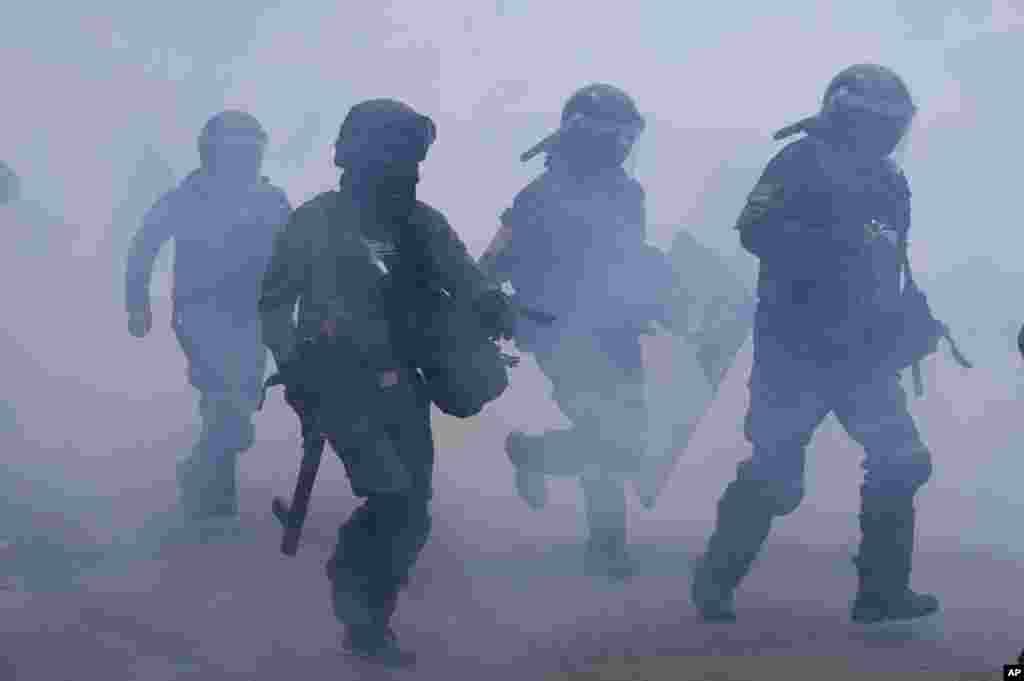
{"x":208,"y":478}
{"x":896,"y":464}
{"x":604,"y":499}
{"x":376,"y":551}
{"x":780,"y":422}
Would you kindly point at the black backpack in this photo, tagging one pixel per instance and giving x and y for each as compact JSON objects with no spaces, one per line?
{"x":463,"y":366}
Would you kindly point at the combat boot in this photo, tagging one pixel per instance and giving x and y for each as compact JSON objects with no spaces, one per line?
{"x":377,"y":645}
{"x":744,"y":520}
{"x":530,"y":483}
{"x":606,"y":555}
{"x":884,"y":564}
{"x":374,"y":640}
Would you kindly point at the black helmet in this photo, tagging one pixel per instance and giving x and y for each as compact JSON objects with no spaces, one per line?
{"x":383,"y":125}
{"x":603,"y":105}
{"x":869,"y":88}
{"x":10,"y":184}
{"x":864,"y":105}
{"x":236,"y":125}
{"x":596,"y":111}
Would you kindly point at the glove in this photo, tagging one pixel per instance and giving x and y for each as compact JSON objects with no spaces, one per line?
{"x":297,"y":393}
{"x":496,"y":314}
{"x":140,"y":320}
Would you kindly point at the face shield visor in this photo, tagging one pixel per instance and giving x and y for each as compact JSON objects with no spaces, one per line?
{"x":589,"y":142}
{"x":874,"y":126}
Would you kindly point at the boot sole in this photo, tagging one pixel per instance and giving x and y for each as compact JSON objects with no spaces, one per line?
{"x":893,"y":618}
{"x":377,"y":660}
{"x":717,"y":617}
{"x":887,"y":616}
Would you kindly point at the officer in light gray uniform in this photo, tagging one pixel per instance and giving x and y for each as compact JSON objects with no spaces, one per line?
{"x":573,"y":244}
{"x":223,"y":218}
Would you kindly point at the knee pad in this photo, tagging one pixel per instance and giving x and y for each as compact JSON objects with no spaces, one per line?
{"x":226,"y":422}
{"x":899,"y":472}
{"x":780,"y":494}
{"x":403,"y":525}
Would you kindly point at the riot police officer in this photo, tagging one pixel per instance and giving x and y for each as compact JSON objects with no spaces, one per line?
{"x":574,"y":245}
{"x":222,"y":218}
{"x":362,"y":262}
{"x":828,"y":221}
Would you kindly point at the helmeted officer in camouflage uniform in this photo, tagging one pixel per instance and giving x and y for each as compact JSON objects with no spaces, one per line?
{"x":358,"y":261}
{"x":223,"y":218}
{"x":828,"y":221}
{"x":574,"y":245}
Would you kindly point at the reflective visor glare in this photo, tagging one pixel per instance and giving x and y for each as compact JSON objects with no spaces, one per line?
{"x":606,"y":127}
{"x":238,"y":141}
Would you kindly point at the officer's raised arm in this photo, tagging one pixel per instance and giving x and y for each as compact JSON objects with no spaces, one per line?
{"x":156,"y":230}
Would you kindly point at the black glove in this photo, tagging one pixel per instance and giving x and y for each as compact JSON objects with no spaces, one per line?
{"x":496,"y":314}
{"x":298,"y":392}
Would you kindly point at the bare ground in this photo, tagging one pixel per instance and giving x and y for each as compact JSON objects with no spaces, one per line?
{"x":498,"y":593}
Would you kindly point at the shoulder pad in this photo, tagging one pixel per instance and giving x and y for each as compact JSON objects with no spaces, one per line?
{"x":429,"y":217}
{"x":785,"y":169}
{"x":539,"y":185}
{"x":795,"y":155}
{"x":313,"y":206}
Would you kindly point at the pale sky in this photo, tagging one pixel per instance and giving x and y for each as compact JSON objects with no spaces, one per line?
{"x":88,"y":90}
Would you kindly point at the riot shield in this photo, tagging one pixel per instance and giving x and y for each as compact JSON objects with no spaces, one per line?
{"x":711,"y":315}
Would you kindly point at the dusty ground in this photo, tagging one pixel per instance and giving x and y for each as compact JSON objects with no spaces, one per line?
{"x":498,"y":591}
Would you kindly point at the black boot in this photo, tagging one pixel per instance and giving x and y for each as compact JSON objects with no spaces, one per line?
{"x":530,"y":482}
{"x":607,"y":556}
{"x":744,"y":520}
{"x":375,"y":641}
{"x":884,"y":563}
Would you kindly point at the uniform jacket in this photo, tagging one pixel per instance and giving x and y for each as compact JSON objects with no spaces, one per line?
{"x":324,"y":262}
{"x":830,"y":242}
{"x":576,"y":249}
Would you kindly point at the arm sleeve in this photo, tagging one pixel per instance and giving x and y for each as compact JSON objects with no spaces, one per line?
{"x":282,"y":286}
{"x":156,"y":230}
{"x":503,"y":259}
{"x":451,"y":262}
{"x":778,"y":224}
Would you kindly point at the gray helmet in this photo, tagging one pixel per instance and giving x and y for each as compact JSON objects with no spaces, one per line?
{"x":237,"y":125}
{"x":869,"y":88}
{"x":598,"y":110}
{"x":863,"y":92}
{"x":10,"y":184}
{"x":604,"y":105}
{"x":377,"y":125}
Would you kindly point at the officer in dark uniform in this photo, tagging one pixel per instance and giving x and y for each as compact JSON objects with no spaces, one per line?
{"x":223,"y":218}
{"x":359,"y":261}
{"x":828,"y":221}
{"x":574,"y":245}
